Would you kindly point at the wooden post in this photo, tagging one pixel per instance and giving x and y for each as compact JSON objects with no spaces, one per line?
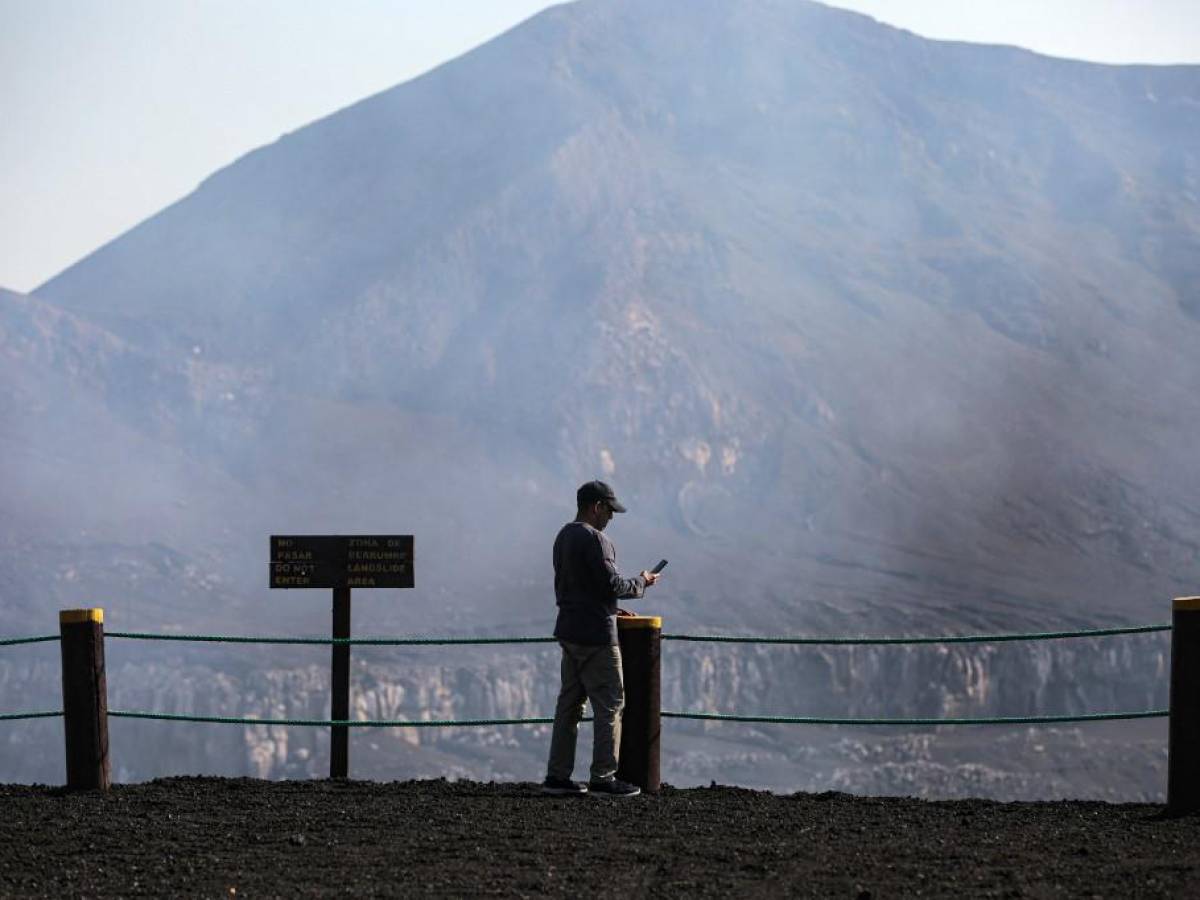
{"x":1183,"y":743}
{"x":641,"y":662}
{"x":85,"y":698}
{"x":339,"y":743}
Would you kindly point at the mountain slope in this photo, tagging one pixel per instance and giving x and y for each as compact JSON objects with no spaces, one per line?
{"x":876,"y":334}
{"x":780,"y":270}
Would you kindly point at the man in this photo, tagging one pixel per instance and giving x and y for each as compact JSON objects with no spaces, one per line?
{"x":587,"y":587}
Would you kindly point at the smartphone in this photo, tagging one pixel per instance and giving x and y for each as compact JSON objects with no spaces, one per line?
{"x":662,"y":564}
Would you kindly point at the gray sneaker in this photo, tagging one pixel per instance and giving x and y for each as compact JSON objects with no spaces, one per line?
{"x":614,"y":787}
{"x":561,"y":787}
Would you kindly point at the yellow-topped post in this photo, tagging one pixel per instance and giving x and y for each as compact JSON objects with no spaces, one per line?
{"x":85,"y":698}
{"x":641,"y":662}
{"x":1183,"y":743}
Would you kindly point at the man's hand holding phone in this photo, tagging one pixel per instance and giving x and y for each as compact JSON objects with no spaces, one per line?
{"x":651,"y":576}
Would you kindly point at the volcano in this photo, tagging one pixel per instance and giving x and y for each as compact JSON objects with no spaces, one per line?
{"x":872,"y":334}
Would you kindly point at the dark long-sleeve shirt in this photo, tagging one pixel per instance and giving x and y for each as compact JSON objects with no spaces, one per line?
{"x":587,"y":585}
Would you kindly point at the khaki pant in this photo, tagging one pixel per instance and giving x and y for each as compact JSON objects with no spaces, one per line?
{"x":592,"y":673}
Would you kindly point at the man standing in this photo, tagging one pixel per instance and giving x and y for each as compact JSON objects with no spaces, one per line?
{"x":587,"y":587}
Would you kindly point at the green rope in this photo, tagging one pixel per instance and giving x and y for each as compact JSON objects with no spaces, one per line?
{"x":376,"y":642}
{"x":720,"y":639}
{"x":8,"y":717}
{"x":955,"y":639}
{"x":775,"y":720}
{"x":1001,"y":720}
{"x":350,"y":723}
{"x":8,"y":642}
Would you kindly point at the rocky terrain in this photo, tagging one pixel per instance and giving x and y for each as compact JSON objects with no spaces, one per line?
{"x":874,"y":335}
{"x":245,"y":838}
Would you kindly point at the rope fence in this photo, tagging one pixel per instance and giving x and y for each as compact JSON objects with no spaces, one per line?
{"x":993,"y":720}
{"x":86,"y":716}
{"x":717,"y":717}
{"x":8,"y":717}
{"x":9,"y":642}
{"x":696,"y":638}
{"x":542,"y":720}
{"x":371,"y":642}
{"x":350,"y":723}
{"x":949,"y":639}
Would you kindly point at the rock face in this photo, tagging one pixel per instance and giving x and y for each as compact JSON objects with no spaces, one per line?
{"x":876,"y":334}
{"x":1012,"y":763}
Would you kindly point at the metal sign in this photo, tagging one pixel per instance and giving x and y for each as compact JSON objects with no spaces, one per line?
{"x":342,"y":561}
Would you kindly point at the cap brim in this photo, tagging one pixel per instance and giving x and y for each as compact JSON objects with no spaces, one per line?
{"x":615,"y":506}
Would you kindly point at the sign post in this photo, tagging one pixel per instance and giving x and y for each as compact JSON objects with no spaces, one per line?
{"x":341,"y":562}
{"x":339,"y":684}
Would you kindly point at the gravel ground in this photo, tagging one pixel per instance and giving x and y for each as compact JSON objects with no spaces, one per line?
{"x":214,"y":837}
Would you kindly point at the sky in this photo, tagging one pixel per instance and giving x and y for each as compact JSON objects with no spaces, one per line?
{"x":114,"y":109}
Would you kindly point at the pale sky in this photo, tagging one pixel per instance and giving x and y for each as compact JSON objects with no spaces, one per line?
{"x":113,"y":109}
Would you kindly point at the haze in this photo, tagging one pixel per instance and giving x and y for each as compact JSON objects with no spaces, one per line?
{"x":876,"y":335}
